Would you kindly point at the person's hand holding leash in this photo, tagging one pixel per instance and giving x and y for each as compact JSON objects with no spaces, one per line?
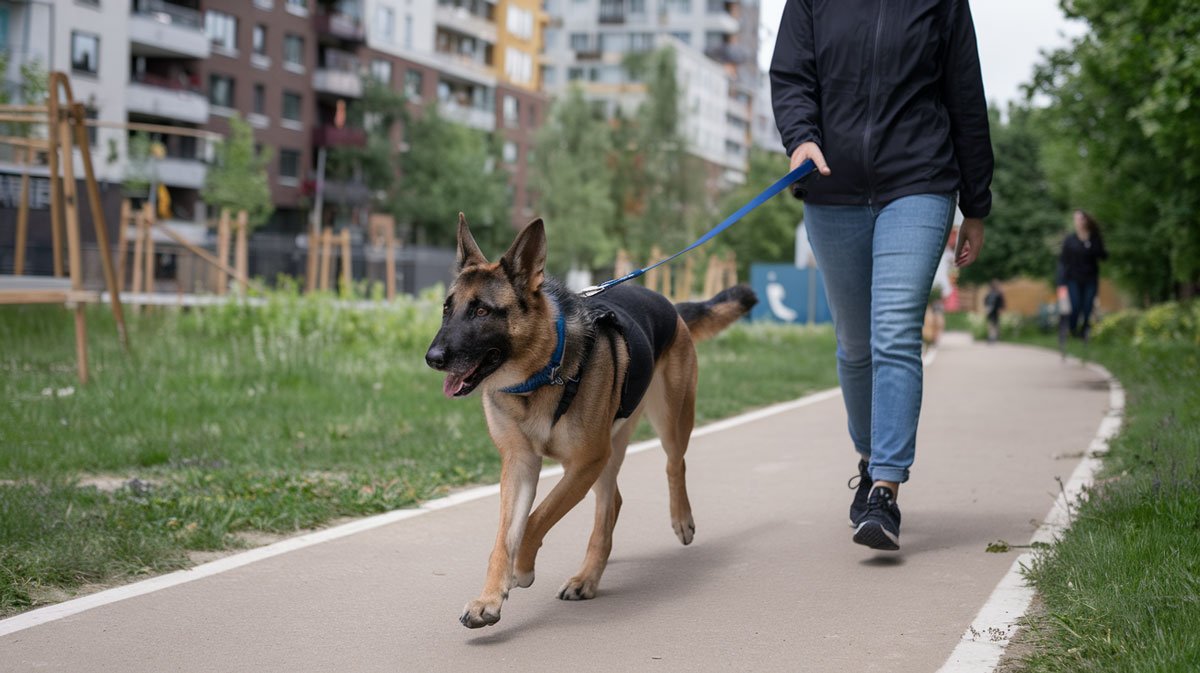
{"x":970,"y":242}
{"x":810,"y":150}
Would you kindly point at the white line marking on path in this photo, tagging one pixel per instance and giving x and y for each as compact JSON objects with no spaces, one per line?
{"x":986,"y":639}
{"x":75,"y":606}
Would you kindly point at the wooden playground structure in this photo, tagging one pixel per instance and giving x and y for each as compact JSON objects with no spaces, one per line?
{"x":57,"y":128}
{"x":719,"y":273}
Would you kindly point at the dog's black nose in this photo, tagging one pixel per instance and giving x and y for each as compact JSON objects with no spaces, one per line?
{"x":436,"y":357}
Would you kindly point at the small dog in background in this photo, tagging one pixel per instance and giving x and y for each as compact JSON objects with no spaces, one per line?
{"x":568,"y":378}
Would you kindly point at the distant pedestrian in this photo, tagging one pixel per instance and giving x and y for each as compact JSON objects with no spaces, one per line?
{"x":1079,"y":267}
{"x":993,"y":303}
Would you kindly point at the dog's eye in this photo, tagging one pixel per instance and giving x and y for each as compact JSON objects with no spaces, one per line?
{"x":445,"y":309}
{"x":481,"y":312}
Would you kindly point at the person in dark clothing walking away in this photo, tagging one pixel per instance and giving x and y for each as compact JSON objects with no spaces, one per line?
{"x":1079,"y":266}
{"x":994,"y":304}
{"x":890,"y":92}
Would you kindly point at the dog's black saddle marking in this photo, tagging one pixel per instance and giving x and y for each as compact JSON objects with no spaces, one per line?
{"x":647,"y":320}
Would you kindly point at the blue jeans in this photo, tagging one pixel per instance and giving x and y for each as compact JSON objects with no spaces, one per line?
{"x":878,"y":263}
{"x":1083,"y":296}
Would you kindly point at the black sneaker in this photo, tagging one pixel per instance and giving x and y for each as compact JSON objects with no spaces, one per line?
{"x":858,"y":508}
{"x":880,"y":526}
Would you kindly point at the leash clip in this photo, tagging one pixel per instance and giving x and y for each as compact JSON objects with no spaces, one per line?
{"x":556,"y":378}
{"x":591,"y":291}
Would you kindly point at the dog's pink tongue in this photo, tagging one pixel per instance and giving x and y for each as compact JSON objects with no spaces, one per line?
{"x":453,"y":384}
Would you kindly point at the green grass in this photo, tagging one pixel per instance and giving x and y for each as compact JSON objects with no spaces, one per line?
{"x":274,"y":419}
{"x":1122,"y":587}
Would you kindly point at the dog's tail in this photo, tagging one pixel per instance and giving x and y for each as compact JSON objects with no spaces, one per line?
{"x":706,"y":319}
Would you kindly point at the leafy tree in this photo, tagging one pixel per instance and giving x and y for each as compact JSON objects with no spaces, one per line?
{"x":237,"y":180}
{"x":570,"y":168}
{"x":381,"y":112}
{"x":768,"y":234}
{"x":1123,"y":138}
{"x":1027,"y":223}
{"x":662,"y":186}
{"x":449,"y":167}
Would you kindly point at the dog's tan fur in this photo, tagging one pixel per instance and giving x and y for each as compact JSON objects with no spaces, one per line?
{"x":586,"y":440}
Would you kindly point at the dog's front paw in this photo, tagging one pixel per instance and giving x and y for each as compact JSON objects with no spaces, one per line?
{"x":685,"y":530}
{"x":480,"y":613}
{"x":578,"y":589}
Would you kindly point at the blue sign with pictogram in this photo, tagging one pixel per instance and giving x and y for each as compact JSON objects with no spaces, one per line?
{"x":787,"y":294}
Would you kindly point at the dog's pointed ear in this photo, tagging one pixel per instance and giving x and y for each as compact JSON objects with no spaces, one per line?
{"x":525,"y":261}
{"x":469,"y":253}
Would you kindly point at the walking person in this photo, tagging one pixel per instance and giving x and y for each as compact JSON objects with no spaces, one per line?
{"x":993,"y":303}
{"x":886,"y":98}
{"x":1079,"y":267}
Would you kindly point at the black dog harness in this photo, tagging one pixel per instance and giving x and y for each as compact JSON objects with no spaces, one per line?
{"x":646,"y":320}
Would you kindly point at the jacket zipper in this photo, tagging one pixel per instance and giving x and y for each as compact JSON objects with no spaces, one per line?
{"x":871,"y":108}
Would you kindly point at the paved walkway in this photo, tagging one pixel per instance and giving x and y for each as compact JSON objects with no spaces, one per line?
{"x":772,"y":582}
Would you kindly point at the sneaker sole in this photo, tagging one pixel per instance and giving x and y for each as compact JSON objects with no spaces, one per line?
{"x":875,"y":536}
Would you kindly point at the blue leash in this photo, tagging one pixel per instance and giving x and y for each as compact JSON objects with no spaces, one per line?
{"x":781,"y":184}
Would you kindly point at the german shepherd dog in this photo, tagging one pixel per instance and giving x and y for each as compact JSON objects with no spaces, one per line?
{"x":502,"y":323}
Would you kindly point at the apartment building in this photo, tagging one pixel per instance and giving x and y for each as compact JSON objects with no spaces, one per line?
{"x":290,"y":68}
{"x":715,"y":41}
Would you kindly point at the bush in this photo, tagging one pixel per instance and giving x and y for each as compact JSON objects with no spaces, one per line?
{"x":1171,"y":322}
{"x":1117,"y":327}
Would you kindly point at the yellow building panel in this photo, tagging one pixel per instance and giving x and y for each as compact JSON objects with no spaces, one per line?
{"x":520,"y":33}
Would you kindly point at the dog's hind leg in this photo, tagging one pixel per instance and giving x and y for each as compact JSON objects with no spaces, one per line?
{"x":671,"y":407}
{"x":608,"y":507}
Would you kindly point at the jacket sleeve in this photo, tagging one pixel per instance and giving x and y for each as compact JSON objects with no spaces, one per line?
{"x":794,"y":89}
{"x":962,"y":94}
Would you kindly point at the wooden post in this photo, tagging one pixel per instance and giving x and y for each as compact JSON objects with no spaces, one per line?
{"x":326,"y":251}
{"x":148,"y":217}
{"x":623,"y":265}
{"x":347,"y":288}
{"x":139,"y":249}
{"x":74,"y":253}
{"x":56,"y":204}
{"x":222,"y":280}
{"x":730,"y":278}
{"x":684,"y":291}
{"x":310,"y":268}
{"x":653,"y":275}
{"x":98,"y":223}
{"x":123,"y":243}
{"x":23,"y":215}
{"x":241,"y":252}
{"x":710,"y":276}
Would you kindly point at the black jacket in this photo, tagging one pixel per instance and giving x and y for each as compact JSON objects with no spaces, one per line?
{"x":891,"y":92}
{"x":1079,"y":260}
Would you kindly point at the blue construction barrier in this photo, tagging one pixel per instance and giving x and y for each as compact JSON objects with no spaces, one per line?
{"x":790,"y":295}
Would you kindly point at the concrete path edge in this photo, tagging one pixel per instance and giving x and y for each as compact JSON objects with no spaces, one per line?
{"x":986,"y":639}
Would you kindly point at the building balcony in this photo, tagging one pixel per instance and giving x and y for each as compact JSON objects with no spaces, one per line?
{"x":332,"y":136}
{"x":158,"y":28}
{"x":473,"y":117}
{"x":340,"y":26}
{"x":338,"y":82}
{"x":612,"y":12}
{"x":460,"y":20}
{"x":465,"y":68}
{"x":345,"y":193}
{"x":181,"y":172}
{"x":160,"y":98}
{"x":722,"y":22}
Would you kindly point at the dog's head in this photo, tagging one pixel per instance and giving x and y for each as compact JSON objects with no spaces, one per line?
{"x":489,"y":308}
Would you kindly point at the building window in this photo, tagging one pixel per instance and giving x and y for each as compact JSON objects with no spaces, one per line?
{"x":518,"y":66}
{"x":510,"y":152}
{"x":85,"y":52}
{"x":637,"y":7}
{"x":716,"y":6}
{"x":714,"y":40}
{"x":520,"y":22}
{"x":260,"y":99}
{"x":291,"y":105}
{"x":580,"y":42}
{"x":222,"y":30}
{"x":613,"y":42}
{"x":685,"y":38}
{"x":550,"y":38}
{"x":220,"y":91}
{"x":297,"y":6}
{"x":381,"y":70}
{"x":293,"y":50}
{"x":408,"y":31}
{"x":385,"y":23}
{"x":289,"y":164}
{"x":259,"y":39}
{"x":641,"y":41}
{"x":549,"y":75}
{"x":412,"y":84}
{"x":512,"y":111}
{"x":681,"y":6}
{"x":574,"y":74}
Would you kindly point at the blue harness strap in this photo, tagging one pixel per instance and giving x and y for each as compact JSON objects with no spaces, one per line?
{"x":548,"y":375}
{"x":799,"y":173}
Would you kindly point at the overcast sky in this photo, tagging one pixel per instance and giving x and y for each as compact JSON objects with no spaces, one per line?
{"x":1011,"y":35}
